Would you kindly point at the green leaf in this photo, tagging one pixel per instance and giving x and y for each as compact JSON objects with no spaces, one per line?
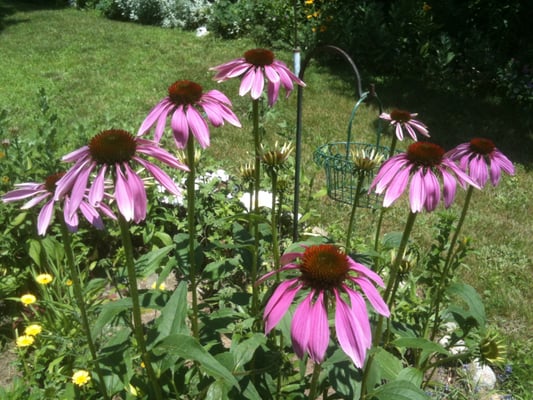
{"x":399,"y":390}
{"x":389,"y":365}
{"x":217,"y":391}
{"x":186,"y":347}
{"x":173,"y":315}
{"x":150,"y":262}
{"x":420,"y":343}
{"x":244,"y":351}
{"x":413,"y":375}
{"x":108,"y":312}
{"x":472,"y":299}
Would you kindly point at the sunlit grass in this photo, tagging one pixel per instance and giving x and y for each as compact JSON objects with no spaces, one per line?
{"x":102,"y":74}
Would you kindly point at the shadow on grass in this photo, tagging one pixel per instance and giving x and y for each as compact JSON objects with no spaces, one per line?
{"x":9,"y":7}
{"x":454,"y":118}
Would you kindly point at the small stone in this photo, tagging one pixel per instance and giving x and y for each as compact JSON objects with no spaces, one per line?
{"x":483,"y":377}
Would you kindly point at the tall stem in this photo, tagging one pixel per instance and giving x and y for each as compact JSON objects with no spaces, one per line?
{"x":257,"y":185}
{"x":447,"y":264}
{"x":78,"y":294}
{"x":313,"y":389}
{"x":388,"y":296}
{"x":191,"y":219}
{"x":274,"y":222}
{"x":136,"y":307}
{"x":360,"y":178}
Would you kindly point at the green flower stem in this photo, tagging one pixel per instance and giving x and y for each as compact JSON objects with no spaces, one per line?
{"x":360,"y":178}
{"x":136,"y":307}
{"x":393,"y":146}
{"x":191,"y":219}
{"x":447,"y":264}
{"x":313,"y":387}
{"x":444,"y":361}
{"x":257,"y":185}
{"x":274,"y":224}
{"x":389,"y":295}
{"x":78,"y":294}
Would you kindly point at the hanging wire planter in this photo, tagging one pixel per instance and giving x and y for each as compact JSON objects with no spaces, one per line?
{"x":350,"y":166}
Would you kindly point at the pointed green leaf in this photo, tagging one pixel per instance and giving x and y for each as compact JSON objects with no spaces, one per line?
{"x":389,"y":365}
{"x":108,"y":312}
{"x":186,"y":347}
{"x":399,"y":390}
{"x":173,"y":316}
{"x":472,"y":299}
{"x":244,"y":351}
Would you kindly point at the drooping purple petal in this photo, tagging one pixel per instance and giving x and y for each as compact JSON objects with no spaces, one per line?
{"x":373,"y":296}
{"x":319,"y":332}
{"x":96,"y":191}
{"x":180,"y":127}
{"x":138,"y":194}
{"x":449,"y":187}
{"x":123,"y":195}
{"x":396,"y":187}
{"x":36,"y":200}
{"x":279,"y":303}
{"x":45,"y":216}
{"x":432,"y":189}
{"x":198,"y":127}
{"x":360,"y":313}
{"x":301,"y":326}
{"x":349,"y":333}
{"x":417,"y":191}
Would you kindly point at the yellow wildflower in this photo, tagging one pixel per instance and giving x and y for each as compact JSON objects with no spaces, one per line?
{"x":25,"y":341}
{"x":81,"y":377}
{"x":68,"y":282}
{"x":162,"y":286}
{"x":44,"y":279}
{"x":309,"y":2}
{"x":426,"y":7}
{"x":28,"y":299}
{"x":33,"y":330}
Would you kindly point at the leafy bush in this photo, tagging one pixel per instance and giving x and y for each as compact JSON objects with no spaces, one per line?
{"x":187,"y":14}
{"x":267,"y":22}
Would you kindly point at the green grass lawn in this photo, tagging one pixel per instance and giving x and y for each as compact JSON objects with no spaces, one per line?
{"x":101,"y":74}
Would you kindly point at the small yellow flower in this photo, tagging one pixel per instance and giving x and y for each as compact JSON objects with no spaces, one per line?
{"x":44,"y":279}
{"x":81,"y":377}
{"x":426,"y":7}
{"x":162,"y":286}
{"x":2,"y":154}
{"x":68,"y":282}
{"x":25,"y":341}
{"x":33,"y":330}
{"x":28,"y":299}
{"x":5,"y":179}
{"x":309,"y":2}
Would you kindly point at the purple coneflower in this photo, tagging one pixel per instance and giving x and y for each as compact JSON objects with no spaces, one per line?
{"x":183,"y":104}
{"x":330,"y":277}
{"x":111,"y":154}
{"x":405,"y":120}
{"x":38,"y":192}
{"x":254,"y":67}
{"x":481,"y":159}
{"x":424,"y":164}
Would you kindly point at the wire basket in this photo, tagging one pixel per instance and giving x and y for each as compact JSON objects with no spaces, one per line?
{"x":351,"y":166}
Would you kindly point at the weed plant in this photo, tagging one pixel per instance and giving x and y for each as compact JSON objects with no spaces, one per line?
{"x":79,"y":73}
